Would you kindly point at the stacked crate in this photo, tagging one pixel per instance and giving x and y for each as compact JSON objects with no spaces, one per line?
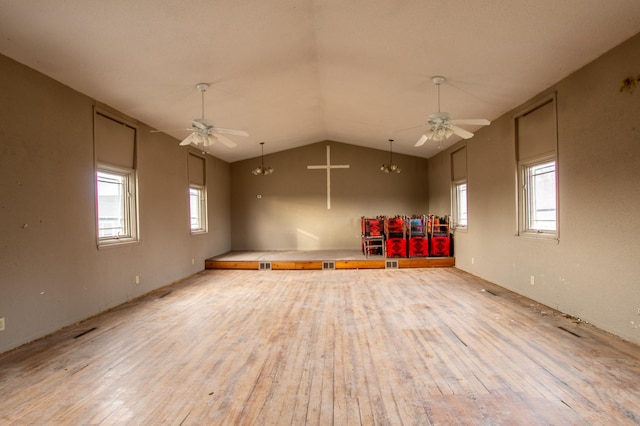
{"x":372,"y":235}
{"x":418,"y":241}
{"x":439,"y":238}
{"x":396,"y":237}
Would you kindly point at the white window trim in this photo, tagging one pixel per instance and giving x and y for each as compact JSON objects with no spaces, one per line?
{"x":131,"y":206}
{"x":203,"y":209}
{"x":455,"y":206}
{"x":523,"y":204}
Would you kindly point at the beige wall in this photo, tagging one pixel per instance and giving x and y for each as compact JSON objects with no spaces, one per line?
{"x":593,"y":272}
{"x":292,"y":212}
{"x":51,"y":273}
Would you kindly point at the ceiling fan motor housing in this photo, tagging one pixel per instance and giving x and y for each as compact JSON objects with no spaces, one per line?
{"x":439,"y":118}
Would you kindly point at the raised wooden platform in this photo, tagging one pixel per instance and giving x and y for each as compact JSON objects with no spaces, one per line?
{"x":318,"y":259}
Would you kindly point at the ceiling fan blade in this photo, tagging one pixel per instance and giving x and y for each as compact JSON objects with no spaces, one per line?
{"x":422,"y":140}
{"x":460,"y":132}
{"x":168,"y":130}
{"x":226,"y":141}
{"x":473,"y":121}
{"x":231,"y":131}
{"x":187,"y":140}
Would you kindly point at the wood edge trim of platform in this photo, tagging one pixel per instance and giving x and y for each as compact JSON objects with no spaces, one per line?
{"x":431,"y":262}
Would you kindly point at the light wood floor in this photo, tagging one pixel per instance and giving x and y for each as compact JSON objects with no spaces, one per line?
{"x":347,"y":347}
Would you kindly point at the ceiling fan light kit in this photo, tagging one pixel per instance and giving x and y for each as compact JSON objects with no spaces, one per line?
{"x":391,"y":167}
{"x":441,"y":126}
{"x":262,"y":170}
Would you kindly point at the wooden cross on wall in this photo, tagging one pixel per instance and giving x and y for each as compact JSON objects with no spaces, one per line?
{"x":328,"y":168}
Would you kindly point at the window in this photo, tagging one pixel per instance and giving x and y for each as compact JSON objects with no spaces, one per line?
{"x":539,"y":197}
{"x":197,"y":193}
{"x":116,"y":204}
{"x":459,"y":188}
{"x":116,"y":181}
{"x":460,"y":204}
{"x":536,"y":148}
{"x":197,"y":207}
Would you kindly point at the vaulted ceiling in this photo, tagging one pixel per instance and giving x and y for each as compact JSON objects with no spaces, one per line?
{"x":294,"y":72}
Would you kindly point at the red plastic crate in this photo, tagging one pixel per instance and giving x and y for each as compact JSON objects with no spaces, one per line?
{"x":418,"y":247}
{"x":440,"y":246}
{"x":396,"y":247}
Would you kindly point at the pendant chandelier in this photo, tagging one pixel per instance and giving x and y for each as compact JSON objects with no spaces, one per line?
{"x":391,"y":167}
{"x":262,"y":170}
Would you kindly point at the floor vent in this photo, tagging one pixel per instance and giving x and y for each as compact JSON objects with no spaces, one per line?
{"x":391,"y":264}
{"x":84,"y":332}
{"x":328,"y":265}
{"x":264,"y":266}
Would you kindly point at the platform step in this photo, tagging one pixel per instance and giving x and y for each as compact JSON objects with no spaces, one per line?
{"x":382,"y":263}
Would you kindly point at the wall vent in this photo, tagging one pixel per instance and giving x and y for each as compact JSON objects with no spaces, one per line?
{"x":391,"y":264}
{"x":328,"y":265}
{"x":264,"y":266}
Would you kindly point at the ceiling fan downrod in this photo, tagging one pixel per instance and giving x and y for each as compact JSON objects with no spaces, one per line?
{"x":202,"y":87}
{"x":438,"y":80}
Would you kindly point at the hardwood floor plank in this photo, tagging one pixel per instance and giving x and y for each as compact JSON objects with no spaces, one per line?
{"x":345,"y":347}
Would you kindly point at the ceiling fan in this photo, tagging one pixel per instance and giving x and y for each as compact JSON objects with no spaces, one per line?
{"x":204,"y":132}
{"x":442,"y":126}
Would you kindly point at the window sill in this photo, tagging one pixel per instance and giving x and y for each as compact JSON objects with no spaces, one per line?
{"x":552,"y":238}
{"x":117,"y":243}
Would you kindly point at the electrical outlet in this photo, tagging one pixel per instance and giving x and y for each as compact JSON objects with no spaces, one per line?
{"x":137,"y":279}
{"x":533,"y":280}
{"x":2,"y":324}
{"x":473,"y":260}
{"x":193,"y":261}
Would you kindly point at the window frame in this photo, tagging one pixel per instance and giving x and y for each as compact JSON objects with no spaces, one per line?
{"x":130,"y":205}
{"x":202,"y":209}
{"x":525,"y":227}
{"x":532,"y":157}
{"x":455,"y":204}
